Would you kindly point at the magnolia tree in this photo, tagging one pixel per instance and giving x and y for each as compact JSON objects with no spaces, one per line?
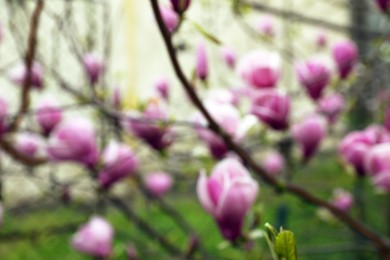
{"x":232,"y":123}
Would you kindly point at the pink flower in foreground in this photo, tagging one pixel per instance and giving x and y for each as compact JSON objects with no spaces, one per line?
{"x":342,"y":199}
{"x":94,"y":238}
{"x":227,"y":195}
{"x":94,"y":67}
{"x":119,"y":162}
{"x":158,"y":137}
{"x":170,"y":18}
{"x":74,"y":140}
{"x":378,"y":134}
{"x":18,"y":75}
{"x":48,"y":116}
{"x":309,"y":134}
{"x":382,"y":180}
{"x":354,"y":148}
{"x":314,"y":75}
{"x":345,"y":54}
{"x":272,"y":108}
{"x":331,"y":106}
{"x":273,"y":163}
{"x":158,"y":183}
{"x":378,"y":159}
{"x":202,"y":66}
{"x":260,"y":69}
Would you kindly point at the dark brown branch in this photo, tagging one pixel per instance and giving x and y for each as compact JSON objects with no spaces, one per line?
{"x":381,"y":243}
{"x":29,"y":60}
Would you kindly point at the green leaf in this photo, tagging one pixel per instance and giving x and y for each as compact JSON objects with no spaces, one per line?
{"x":285,"y":245}
{"x":206,"y":34}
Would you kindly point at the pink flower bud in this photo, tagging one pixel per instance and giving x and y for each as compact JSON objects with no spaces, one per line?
{"x":331,"y":106}
{"x":266,"y":26}
{"x":314,"y":75}
{"x":162,"y":88}
{"x":228,"y":118}
{"x":18,"y":75}
{"x":378,"y":134}
{"x":119,"y":162}
{"x":345,"y":54}
{"x":229,"y":56}
{"x":29,"y":144}
{"x":309,"y":134}
{"x":170,"y":18}
{"x":387,"y":119}
{"x":74,"y":140}
{"x":321,"y":38}
{"x":378,"y":159}
{"x":180,"y":6}
{"x":158,"y":137}
{"x":131,"y":252}
{"x":48,"y":116}
{"x":272,"y":108}
{"x":382,"y":180}
{"x":94,"y":67}
{"x":94,"y":238}
{"x":227,"y":195}
{"x":260,"y":69}
{"x":3,"y":115}
{"x":354,"y":148}
{"x":383,"y":5}
{"x":158,"y":183}
{"x":202,"y":67}
{"x":273,"y":163}
{"x":342,"y":199}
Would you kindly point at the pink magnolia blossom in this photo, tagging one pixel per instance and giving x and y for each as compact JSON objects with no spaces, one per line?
{"x":382,"y":180}
{"x":119,"y":162}
{"x":202,"y":64}
{"x":180,"y":6}
{"x":18,"y":75}
{"x":229,"y":56}
{"x":3,"y":115}
{"x":170,"y":18}
{"x":227,"y":195}
{"x":94,"y":67}
{"x":378,"y":159}
{"x":48,"y":116}
{"x":94,"y":238}
{"x":378,"y":134}
{"x":74,"y":140}
{"x":354,"y":148}
{"x":314,"y":75}
{"x":331,"y":106}
{"x":116,"y":98}
{"x":342,"y":199}
{"x":273,"y":163}
{"x":272,"y":108}
{"x":309,"y":134}
{"x":345,"y":54}
{"x":158,"y":183}
{"x":158,"y":137}
{"x":266,"y":26}
{"x":228,"y":118}
{"x":162,"y":87}
{"x":29,"y":144}
{"x":260,"y":69}
{"x":383,"y":5}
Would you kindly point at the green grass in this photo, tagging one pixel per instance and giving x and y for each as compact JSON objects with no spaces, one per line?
{"x":316,"y":238}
